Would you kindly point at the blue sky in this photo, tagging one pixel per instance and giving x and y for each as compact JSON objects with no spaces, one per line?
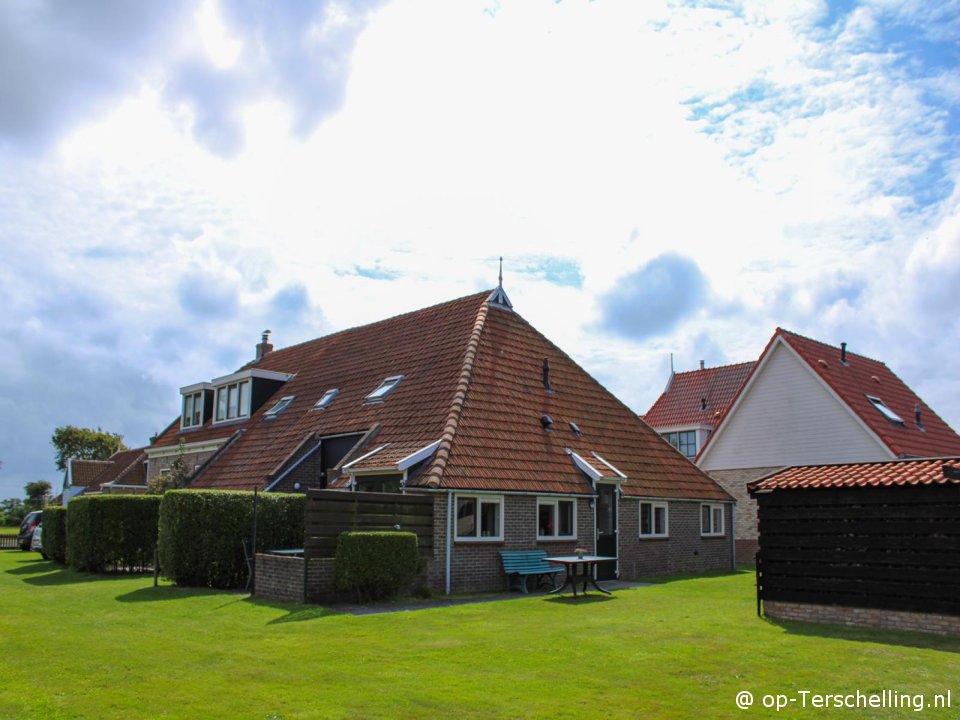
{"x":660,"y":177}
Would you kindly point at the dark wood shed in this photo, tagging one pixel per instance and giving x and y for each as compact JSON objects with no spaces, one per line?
{"x":875,"y":544}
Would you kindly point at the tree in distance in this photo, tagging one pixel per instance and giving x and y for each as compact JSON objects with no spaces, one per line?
{"x":84,"y":444}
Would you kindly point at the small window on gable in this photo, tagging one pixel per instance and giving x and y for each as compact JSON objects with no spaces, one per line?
{"x":386,"y":387}
{"x":326,"y":398}
{"x":281,"y":405}
{"x":884,"y":410}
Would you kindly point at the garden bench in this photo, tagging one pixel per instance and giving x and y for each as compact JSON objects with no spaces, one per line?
{"x":524,"y":563}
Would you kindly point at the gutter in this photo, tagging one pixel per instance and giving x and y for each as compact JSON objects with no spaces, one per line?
{"x":449,"y":542}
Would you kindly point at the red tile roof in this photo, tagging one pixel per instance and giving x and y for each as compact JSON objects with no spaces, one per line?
{"x":472,"y":379}
{"x":499,"y":443}
{"x":681,"y":403}
{"x":84,"y":473}
{"x":425,"y":346}
{"x":126,"y":467}
{"x":936,"y":471}
{"x":853,"y":382}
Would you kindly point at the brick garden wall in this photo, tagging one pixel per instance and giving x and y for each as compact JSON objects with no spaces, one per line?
{"x":279,"y":577}
{"x":863,"y":617}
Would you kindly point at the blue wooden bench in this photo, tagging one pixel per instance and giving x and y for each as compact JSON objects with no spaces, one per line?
{"x":524,"y":563}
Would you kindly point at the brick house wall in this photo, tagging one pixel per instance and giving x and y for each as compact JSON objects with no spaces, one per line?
{"x":684,"y":550}
{"x":191,"y":460}
{"x":747,"y":530}
{"x":476,"y":566}
{"x":306,"y":473}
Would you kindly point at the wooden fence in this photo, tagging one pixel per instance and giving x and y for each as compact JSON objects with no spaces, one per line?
{"x":9,"y":542}
{"x":895,"y":548}
{"x":331,"y":512}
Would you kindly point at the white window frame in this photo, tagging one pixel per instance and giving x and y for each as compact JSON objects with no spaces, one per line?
{"x":385,"y":388}
{"x":243,"y":409}
{"x":281,"y":405}
{"x":554,"y":502}
{"x":713,"y":531}
{"x":654,"y":506}
{"x":184,"y":425}
{"x":480,"y":500}
{"x":326,"y":399}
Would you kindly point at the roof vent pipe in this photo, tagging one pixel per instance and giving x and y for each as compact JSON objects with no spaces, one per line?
{"x":264,"y":347}
{"x":703,"y":403}
{"x":843,"y":353}
{"x":918,"y":415}
{"x":545,"y":422}
{"x":701,"y":364}
{"x":546,"y":375}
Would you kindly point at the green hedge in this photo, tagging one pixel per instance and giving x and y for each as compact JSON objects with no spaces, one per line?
{"x":201,"y":533}
{"x":375,"y":565}
{"x":112,"y":532}
{"x":55,"y":533}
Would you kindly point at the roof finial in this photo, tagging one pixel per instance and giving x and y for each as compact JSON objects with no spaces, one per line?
{"x":498,"y":298}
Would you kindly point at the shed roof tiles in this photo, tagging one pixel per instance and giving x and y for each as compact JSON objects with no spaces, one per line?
{"x":925,"y":471}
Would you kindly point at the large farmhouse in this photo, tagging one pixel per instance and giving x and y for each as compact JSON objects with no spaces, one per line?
{"x":467,"y":402}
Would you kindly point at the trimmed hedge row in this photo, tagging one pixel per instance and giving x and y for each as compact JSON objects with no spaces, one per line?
{"x":375,"y":565}
{"x":115,"y":532}
{"x":201,"y":533}
{"x":55,"y":533}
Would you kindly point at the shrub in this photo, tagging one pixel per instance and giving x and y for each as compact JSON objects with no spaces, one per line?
{"x":117,"y":532}
{"x":55,"y":533}
{"x":201,"y":532}
{"x":375,"y":565}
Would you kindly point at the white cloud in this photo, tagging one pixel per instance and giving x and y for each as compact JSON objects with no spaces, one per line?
{"x":803,"y":165}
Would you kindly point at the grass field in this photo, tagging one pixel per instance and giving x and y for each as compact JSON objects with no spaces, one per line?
{"x":82,"y":646}
{"x":8,"y":530}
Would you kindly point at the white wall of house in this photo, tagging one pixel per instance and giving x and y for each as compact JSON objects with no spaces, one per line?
{"x":788,"y":416}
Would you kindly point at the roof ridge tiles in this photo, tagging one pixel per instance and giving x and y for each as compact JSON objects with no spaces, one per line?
{"x":715,"y":368}
{"x":435,"y":475}
{"x":784,"y":332}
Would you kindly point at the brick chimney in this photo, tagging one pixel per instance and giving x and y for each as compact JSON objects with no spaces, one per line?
{"x":264,"y":347}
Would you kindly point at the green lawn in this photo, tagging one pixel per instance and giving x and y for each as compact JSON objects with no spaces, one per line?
{"x":81,"y":646}
{"x":9,"y":530}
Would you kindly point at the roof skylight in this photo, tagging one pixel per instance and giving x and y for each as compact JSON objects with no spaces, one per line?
{"x":327,"y":398}
{"x":386,"y":387}
{"x":884,"y":410}
{"x":280,"y":406}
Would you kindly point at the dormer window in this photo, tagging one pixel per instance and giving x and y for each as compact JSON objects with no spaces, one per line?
{"x":281,"y":405}
{"x":233,"y":401}
{"x":884,"y":410}
{"x":241,"y":394}
{"x":326,"y":399}
{"x":197,"y":405}
{"x":192,"y":410}
{"x":386,"y":387}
